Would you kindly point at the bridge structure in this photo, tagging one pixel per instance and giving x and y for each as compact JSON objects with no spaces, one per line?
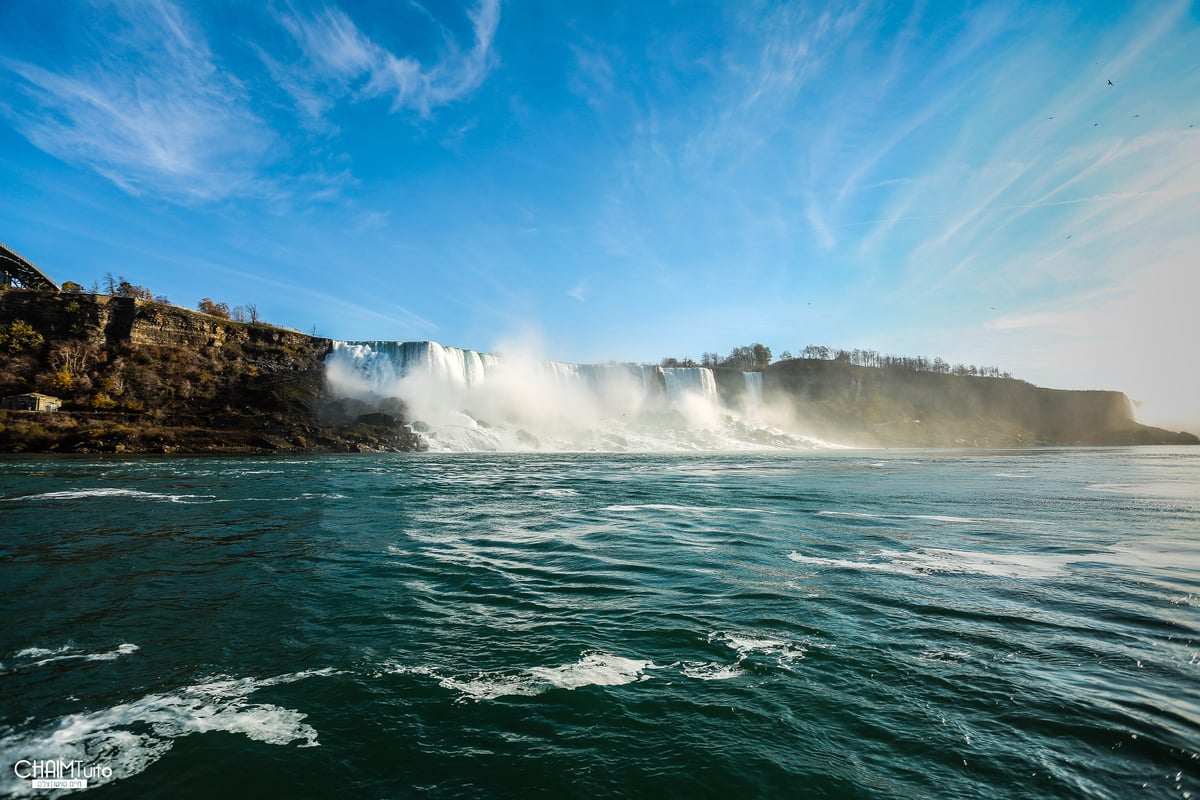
{"x":22,"y":272}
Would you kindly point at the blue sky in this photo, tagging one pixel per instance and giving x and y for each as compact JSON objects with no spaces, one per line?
{"x":631,"y":181}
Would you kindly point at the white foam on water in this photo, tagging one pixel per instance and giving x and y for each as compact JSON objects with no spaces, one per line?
{"x":132,"y":494}
{"x":927,"y":561}
{"x":851,"y":514}
{"x":187,"y":499}
{"x":627,"y":509}
{"x":491,"y":686}
{"x":710,"y":671}
{"x":947,"y":518}
{"x":930,"y":517}
{"x":592,"y":669}
{"x":998,"y":565}
{"x":747,"y":645}
{"x":555,"y":492}
{"x":121,"y":650}
{"x":1173,"y":489}
{"x":68,"y":653}
{"x":1013,"y":475}
{"x":844,"y":563}
{"x":38,"y":652}
{"x":129,"y":737}
{"x":945,"y":656}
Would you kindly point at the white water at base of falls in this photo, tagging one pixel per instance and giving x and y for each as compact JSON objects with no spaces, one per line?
{"x":464,"y":400}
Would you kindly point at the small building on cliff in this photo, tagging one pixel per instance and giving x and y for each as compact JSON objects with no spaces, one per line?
{"x":34,"y":401}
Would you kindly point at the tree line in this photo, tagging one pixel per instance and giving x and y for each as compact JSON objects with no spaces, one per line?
{"x":757,"y":357}
{"x":748,"y":358}
{"x":118,"y":286}
{"x":872,"y":358}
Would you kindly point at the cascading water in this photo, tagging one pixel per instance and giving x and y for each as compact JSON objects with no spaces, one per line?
{"x":696,"y":380}
{"x":754,"y":391}
{"x":464,"y":400}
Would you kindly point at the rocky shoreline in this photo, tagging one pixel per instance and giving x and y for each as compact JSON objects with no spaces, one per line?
{"x":82,"y":432}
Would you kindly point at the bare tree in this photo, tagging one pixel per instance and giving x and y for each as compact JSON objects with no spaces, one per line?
{"x":73,"y":357}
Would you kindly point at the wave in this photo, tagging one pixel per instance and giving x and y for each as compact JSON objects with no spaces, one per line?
{"x":930,"y":561}
{"x":598,"y":668}
{"x":751,"y":648}
{"x":129,"y":737}
{"x":702,"y":510}
{"x":592,"y":669}
{"x":188,"y":499}
{"x":710,"y":671}
{"x":1171,"y":489}
{"x":40,"y":656}
{"x":133,"y":494}
{"x":748,"y":645}
{"x":935,"y":518}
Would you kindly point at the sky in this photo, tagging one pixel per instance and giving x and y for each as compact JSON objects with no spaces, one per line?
{"x":1012,"y":184}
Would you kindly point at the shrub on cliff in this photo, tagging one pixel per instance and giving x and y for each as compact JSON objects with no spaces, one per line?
{"x":61,"y":382}
{"x":18,"y":336}
{"x":213,"y":308}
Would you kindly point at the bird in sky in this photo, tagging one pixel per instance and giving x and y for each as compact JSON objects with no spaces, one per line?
{"x":1110,"y":83}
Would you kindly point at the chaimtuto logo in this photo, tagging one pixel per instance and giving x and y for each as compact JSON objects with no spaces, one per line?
{"x":54,"y":773}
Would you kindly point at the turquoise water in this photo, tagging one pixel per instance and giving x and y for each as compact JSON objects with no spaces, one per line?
{"x":816,"y":624}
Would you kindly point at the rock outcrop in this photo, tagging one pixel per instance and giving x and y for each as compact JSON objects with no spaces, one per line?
{"x":872,"y":406}
{"x":142,"y":376}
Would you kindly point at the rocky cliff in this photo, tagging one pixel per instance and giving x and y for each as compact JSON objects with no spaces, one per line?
{"x":871,"y":406}
{"x":141,"y":376}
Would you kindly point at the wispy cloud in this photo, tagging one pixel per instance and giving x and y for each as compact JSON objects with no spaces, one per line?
{"x":593,"y":78}
{"x":578,"y":291}
{"x":152,"y":112}
{"x":338,"y":60}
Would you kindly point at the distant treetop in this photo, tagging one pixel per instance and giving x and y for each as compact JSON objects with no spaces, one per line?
{"x":871,"y":358}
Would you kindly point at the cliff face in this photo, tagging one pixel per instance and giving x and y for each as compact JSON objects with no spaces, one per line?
{"x":141,"y":376}
{"x":112,"y":321}
{"x":899,"y":408}
{"x":137,"y":375}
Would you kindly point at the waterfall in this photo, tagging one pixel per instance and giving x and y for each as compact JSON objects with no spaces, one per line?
{"x":463,"y":400}
{"x":754,"y":392}
{"x":697,"y":380}
{"x":382,"y":364}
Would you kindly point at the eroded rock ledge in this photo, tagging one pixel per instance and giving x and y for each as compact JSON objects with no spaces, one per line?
{"x":138,"y":376}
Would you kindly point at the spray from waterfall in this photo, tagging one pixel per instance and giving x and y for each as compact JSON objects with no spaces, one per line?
{"x":464,"y":400}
